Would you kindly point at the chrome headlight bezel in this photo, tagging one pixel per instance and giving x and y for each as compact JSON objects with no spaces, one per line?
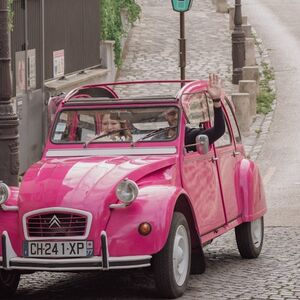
{"x":127,"y":191}
{"x":4,"y":192}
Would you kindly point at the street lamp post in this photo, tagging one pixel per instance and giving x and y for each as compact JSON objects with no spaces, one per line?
{"x":9,"y":143}
{"x":238,"y":45}
{"x":182,"y":6}
{"x":182,"y":48}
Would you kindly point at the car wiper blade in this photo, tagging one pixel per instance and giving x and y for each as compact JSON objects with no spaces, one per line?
{"x":152,"y":133}
{"x":101,"y":136}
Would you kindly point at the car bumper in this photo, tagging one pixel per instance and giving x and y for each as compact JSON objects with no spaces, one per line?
{"x":10,"y":261}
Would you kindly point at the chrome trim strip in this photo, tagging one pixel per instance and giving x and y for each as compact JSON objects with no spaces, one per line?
{"x":9,"y":208}
{"x":111,"y":151}
{"x":7,"y":251}
{"x":104,"y":250}
{"x":58,"y":209}
{"x":93,"y":263}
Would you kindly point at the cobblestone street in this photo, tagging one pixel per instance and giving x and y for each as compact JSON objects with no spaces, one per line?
{"x":274,"y":275}
{"x":152,"y":53}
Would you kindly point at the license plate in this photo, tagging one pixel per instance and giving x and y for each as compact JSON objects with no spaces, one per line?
{"x":58,"y":249}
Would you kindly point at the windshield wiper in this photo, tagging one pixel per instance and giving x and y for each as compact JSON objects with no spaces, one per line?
{"x":152,"y":133}
{"x":101,"y":136}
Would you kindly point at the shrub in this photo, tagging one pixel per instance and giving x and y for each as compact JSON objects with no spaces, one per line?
{"x":111,"y":23}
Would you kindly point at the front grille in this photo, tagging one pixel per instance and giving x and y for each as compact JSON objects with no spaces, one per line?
{"x":56,"y":225}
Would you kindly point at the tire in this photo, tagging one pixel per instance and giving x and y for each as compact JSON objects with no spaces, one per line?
{"x":9,"y":281}
{"x":198,"y":265}
{"x":249,"y":238}
{"x":172,"y":264}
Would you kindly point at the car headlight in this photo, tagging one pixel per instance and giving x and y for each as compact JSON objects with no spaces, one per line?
{"x":127,"y":191}
{"x":4,"y":192}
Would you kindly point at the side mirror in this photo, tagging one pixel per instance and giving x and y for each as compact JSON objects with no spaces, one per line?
{"x":202,"y":144}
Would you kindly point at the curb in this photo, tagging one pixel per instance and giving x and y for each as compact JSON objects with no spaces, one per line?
{"x":262,"y":123}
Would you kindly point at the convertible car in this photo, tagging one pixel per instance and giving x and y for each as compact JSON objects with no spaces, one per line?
{"x":118,"y":188}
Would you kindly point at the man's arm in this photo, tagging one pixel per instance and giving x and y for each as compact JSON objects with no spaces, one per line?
{"x":218,"y":129}
{"x":213,"y":133}
{"x":215,"y":92}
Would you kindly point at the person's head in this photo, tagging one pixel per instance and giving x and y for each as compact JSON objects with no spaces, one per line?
{"x":171,"y":116}
{"x":111,"y":122}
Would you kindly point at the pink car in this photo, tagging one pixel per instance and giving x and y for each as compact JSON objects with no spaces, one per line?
{"x":118,"y":188}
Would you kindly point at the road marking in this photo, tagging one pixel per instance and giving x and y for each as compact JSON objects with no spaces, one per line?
{"x":270,"y":172}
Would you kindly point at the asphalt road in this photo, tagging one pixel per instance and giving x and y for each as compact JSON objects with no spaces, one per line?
{"x":277,"y":22}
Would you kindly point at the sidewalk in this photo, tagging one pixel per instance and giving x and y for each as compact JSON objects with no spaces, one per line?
{"x":152,"y":52}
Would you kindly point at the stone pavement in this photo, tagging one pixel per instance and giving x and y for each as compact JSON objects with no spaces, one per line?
{"x":274,"y":275}
{"x":152,"y":53}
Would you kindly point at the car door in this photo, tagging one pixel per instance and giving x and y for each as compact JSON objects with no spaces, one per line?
{"x":227,"y":159}
{"x":199,"y":172}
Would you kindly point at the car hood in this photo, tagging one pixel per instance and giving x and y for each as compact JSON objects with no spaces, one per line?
{"x":83,"y":183}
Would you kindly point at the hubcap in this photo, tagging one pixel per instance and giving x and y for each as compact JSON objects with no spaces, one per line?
{"x":256,"y":232}
{"x":180,"y":255}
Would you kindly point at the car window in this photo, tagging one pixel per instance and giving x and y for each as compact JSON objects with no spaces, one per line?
{"x":225,"y":139}
{"x":116,"y":125}
{"x":196,"y":108}
{"x":230,"y":111}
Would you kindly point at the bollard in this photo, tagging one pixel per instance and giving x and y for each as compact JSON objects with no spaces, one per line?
{"x":241,"y":102}
{"x":231,"y":18}
{"x":251,"y":73}
{"x":222,"y":6}
{"x":247,"y":28}
{"x":250,"y":59}
{"x":244,"y":20}
{"x":238,"y":44}
{"x":250,"y":87}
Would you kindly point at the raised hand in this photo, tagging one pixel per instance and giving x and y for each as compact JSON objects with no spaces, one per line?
{"x":214,"y":86}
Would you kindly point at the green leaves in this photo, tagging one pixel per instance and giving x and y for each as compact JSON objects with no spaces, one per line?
{"x":266,"y":94}
{"x":10,"y":15}
{"x":111,"y":22}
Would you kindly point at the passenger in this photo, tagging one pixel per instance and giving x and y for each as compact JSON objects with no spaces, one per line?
{"x":115,"y":128}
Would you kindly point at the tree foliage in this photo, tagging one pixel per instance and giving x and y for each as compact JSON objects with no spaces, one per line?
{"x":10,"y":14}
{"x":111,"y":23}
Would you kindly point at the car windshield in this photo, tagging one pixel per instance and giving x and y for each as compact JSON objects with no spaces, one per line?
{"x":116,"y":125}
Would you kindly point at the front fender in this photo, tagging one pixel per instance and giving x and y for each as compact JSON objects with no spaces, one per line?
{"x":250,"y":191}
{"x":154,"y":205}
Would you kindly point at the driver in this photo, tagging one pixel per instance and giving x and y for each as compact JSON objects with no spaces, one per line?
{"x":214,"y":90}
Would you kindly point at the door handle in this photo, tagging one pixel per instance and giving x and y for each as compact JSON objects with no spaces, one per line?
{"x":214,"y":159}
{"x":236,"y":153}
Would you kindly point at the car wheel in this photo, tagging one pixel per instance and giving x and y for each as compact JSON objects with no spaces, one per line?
{"x":249,"y":238}
{"x":9,"y":281}
{"x":172,"y":264}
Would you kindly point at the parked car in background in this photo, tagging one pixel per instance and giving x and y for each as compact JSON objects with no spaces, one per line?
{"x":117,"y":188}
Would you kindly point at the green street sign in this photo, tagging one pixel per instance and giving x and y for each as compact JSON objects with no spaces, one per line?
{"x":182,"y":5}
